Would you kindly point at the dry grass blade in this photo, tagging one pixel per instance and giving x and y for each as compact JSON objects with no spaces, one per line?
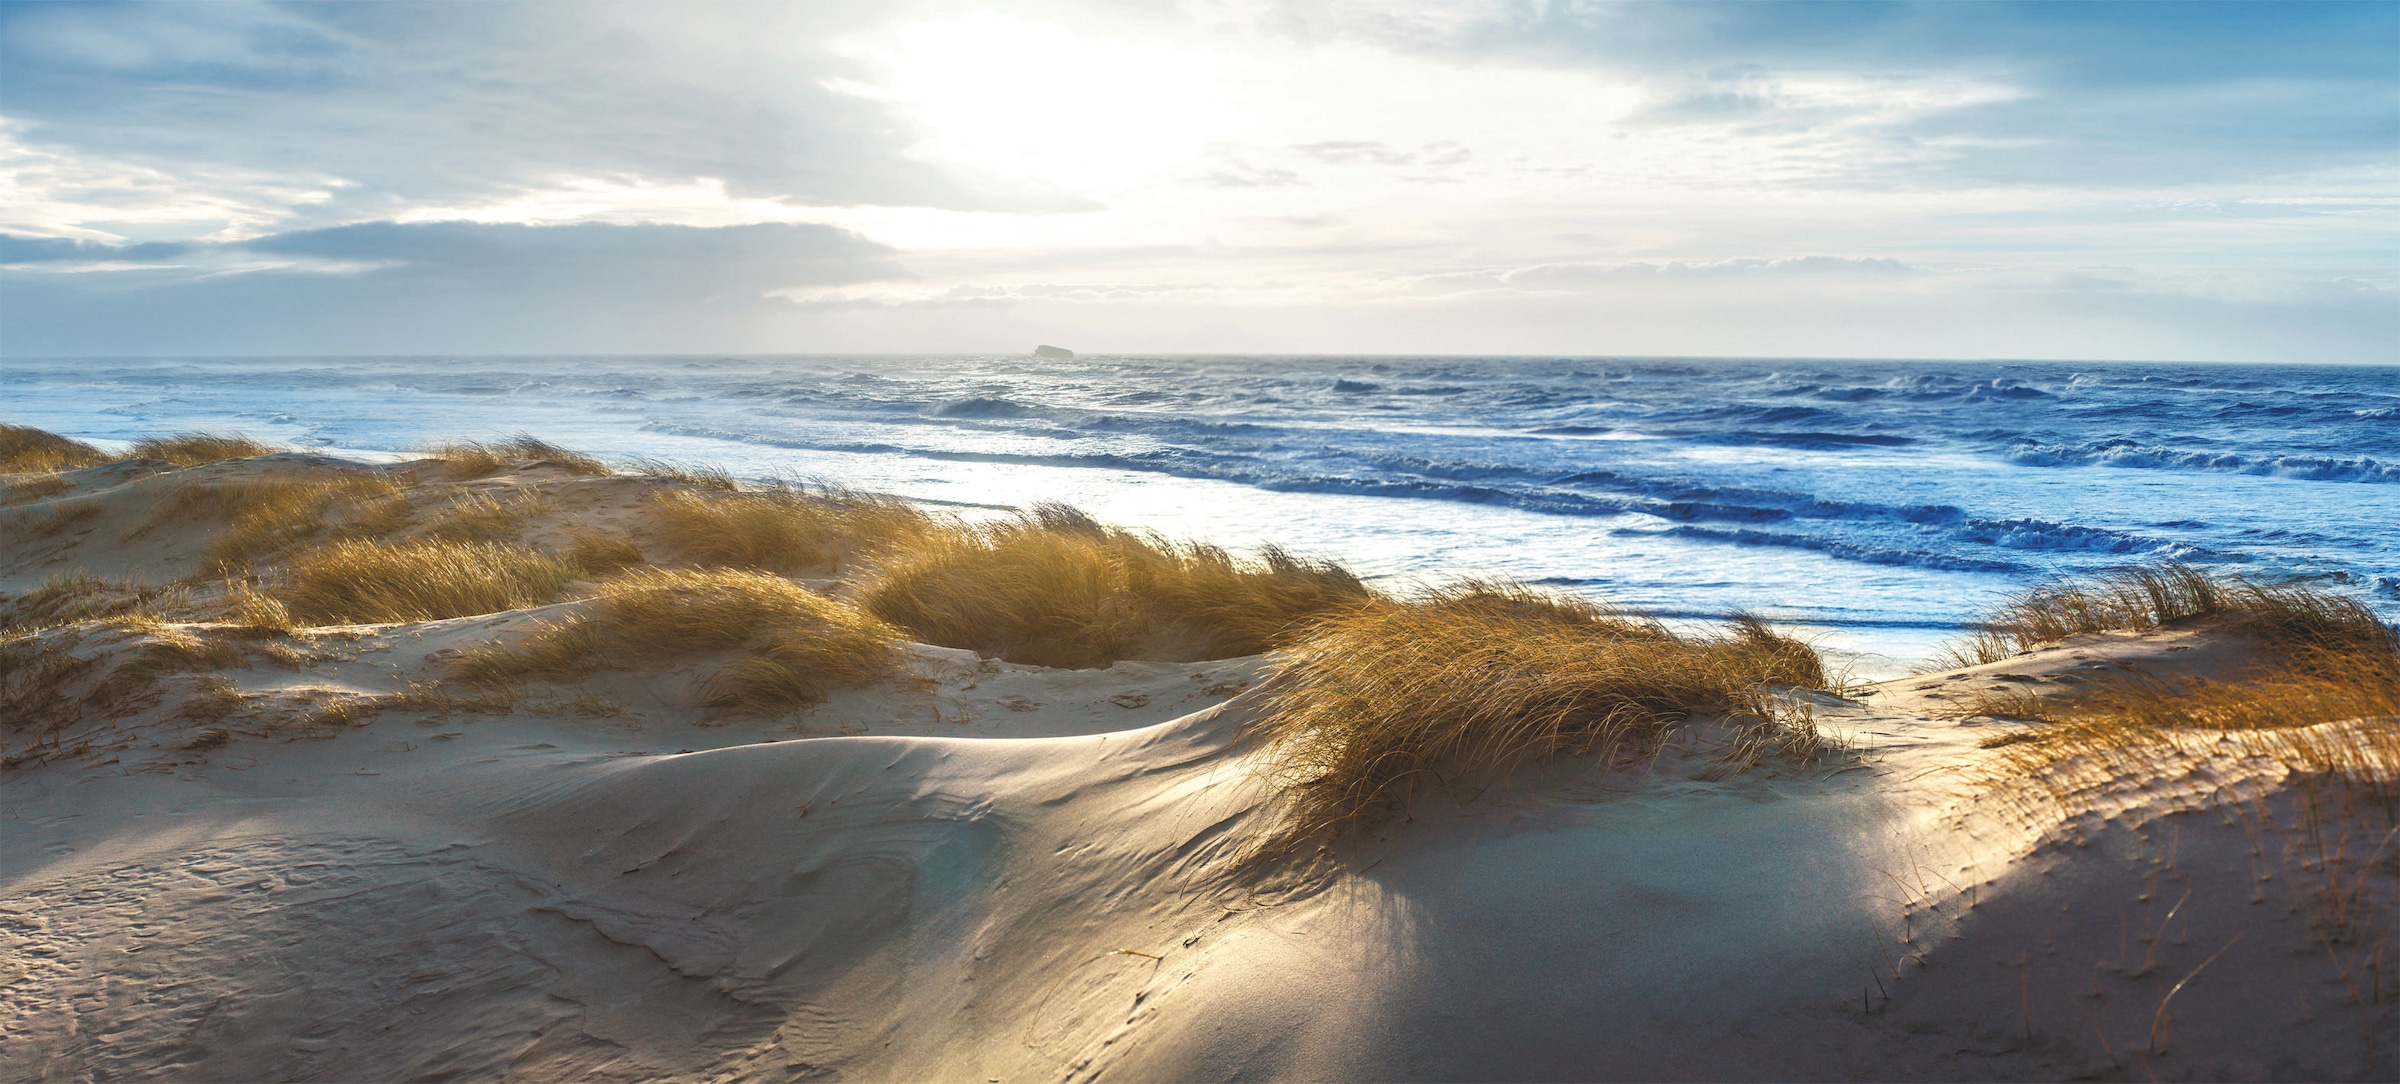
{"x":482,"y":517}
{"x":799,"y":643}
{"x":193,"y":449}
{"x":425,"y":580}
{"x":2131,"y":599}
{"x":2324,"y":661}
{"x":475,"y":459}
{"x":27,"y":450}
{"x":713,"y":478}
{"x":272,"y":514}
{"x":599,"y":554}
{"x":35,"y":488}
{"x":782,"y":529}
{"x":73,"y":598}
{"x":1055,"y":588}
{"x":1466,"y":685}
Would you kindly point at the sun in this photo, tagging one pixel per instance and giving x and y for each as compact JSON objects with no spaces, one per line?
{"x":1040,"y":101}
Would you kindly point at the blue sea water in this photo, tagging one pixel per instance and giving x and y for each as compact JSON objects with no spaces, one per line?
{"x":1878,"y":504}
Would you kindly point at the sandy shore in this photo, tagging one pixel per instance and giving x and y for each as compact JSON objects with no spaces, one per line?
{"x":991,"y":871}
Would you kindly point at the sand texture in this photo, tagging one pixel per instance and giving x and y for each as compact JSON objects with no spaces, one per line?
{"x":986,"y":871}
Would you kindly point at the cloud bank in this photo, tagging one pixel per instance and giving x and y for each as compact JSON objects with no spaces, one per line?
{"x":1886,"y":179}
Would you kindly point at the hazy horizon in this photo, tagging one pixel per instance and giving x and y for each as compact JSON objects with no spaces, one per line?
{"x":2168,"y":182}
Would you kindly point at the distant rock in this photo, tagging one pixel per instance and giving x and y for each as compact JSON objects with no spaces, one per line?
{"x":1052,"y":352}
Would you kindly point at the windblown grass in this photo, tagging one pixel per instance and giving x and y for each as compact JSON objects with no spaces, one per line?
{"x":51,"y":680}
{"x":27,"y":450}
{"x":798,"y":644}
{"x":193,"y":449}
{"x":714,"y":478}
{"x":600,"y":553}
{"x":35,"y":488}
{"x":784,"y":529}
{"x":475,"y":459}
{"x":1460,"y":688}
{"x":482,"y":517}
{"x":71,"y":599}
{"x":272,"y":514}
{"x":2132,"y":599}
{"x":2324,"y":659}
{"x":363,"y":582}
{"x":1054,"y":588}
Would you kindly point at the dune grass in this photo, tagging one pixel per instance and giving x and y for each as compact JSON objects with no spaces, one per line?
{"x":2324,"y":659}
{"x":365,"y":582}
{"x":482,"y":517}
{"x":797,"y":644}
{"x":25,"y":490}
{"x":272,"y":514}
{"x":599,"y":553}
{"x":784,"y":528}
{"x":1463,"y":686}
{"x":27,"y":450}
{"x":74,"y":598}
{"x":2131,"y":599}
{"x":700,"y":477}
{"x":477,"y":459}
{"x":1054,"y":588}
{"x":193,"y":449}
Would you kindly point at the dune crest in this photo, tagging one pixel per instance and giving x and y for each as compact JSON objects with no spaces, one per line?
{"x":247,"y":846}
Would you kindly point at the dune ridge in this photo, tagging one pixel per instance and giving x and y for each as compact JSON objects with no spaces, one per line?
{"x":684,"y":798}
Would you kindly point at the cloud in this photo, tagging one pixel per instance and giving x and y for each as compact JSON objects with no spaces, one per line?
{"x":2097,"y":93}
{"x":1576,"y":275}
{"x":464,"y":102}
{"x":422,"y":288}
{"x":1555,"y":176}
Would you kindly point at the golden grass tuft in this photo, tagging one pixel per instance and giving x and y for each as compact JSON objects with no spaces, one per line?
{"x":1054,"y":588}
{"x":476,"y":459}
{"x":193,"y":449}
{"x":24,"y":449}
{"x":2325,"y":659}
{"x":1465,"y":685}
{"x":37,"y":678}
{"x":599,"y":553}
{"x":782,"y":529}
{"x":71,"y":599}
{"x":799,"y":644}
{"x":361,"y":582}
{"x":711,"y":478}
{"x":2131,"y":599}
{"x":482,"y":517}
{"x":272,"y":514}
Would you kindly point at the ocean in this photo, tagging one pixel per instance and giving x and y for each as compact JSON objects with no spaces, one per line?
{"x":1875,"y":505}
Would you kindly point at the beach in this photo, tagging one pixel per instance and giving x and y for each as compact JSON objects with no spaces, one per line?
{"x":252,"y":837}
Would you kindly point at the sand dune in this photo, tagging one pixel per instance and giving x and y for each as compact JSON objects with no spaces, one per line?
{"x":990,"y":871}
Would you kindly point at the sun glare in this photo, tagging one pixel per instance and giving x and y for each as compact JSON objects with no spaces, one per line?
{"x":1033,"y":100}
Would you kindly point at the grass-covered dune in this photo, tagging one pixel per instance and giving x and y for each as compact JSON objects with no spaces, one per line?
{"x":513,"y":761}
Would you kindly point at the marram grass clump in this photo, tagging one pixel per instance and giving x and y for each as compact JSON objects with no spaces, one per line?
{"x":2136,"y":598}
{"x":784,"y":528}
{"x":269,"y":515}
{"x":1055,"y":588}
{"x":2322,"y":660}
{"x":194,"y":449}
{"x":363,"y":582}
{"x":27,"y":450}
{"x":797,"y":644}
{"x":476,"y":459}
{"x":1463,"y":686}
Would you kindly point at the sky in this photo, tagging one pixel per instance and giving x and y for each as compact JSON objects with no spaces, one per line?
{"x":2203,"y":181}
